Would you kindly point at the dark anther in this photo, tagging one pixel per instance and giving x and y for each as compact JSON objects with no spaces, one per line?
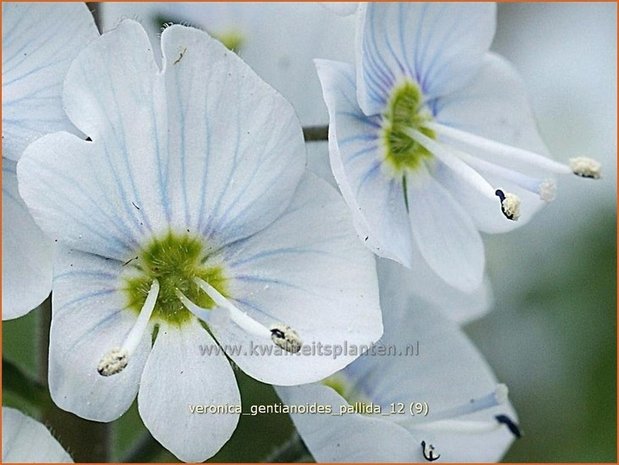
{"x":513,"y":427}
{"x":429,"y":453}
{"x":278,"y":333}
{"x":499,"y":193}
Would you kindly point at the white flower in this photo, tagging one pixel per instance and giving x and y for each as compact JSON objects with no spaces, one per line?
{"x":25,"y":440}
{"x":436,"y":395}
{"x":38,"y":43}
{"x":191,"y":195}
{"x":432,"y":139}
{"x":278,"y":40}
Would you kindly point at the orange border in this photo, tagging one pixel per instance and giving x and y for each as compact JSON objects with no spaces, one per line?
{"x":292,"y":1}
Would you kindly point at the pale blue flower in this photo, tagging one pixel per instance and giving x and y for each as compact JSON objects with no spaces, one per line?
{"x":25,"y":440}
{"x":432,"y":139}
{"x":188,"y":205}
{"x":435,"y":392}
{"x":39,"y":40}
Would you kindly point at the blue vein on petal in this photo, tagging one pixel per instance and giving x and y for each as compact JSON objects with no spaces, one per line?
{"x":283,"y":250}
{"x":95,"y":328}
{"x":102,"y":226}
{"x":84,"y":297}
{"x":369,"y":175}
{"x":93,"y":274}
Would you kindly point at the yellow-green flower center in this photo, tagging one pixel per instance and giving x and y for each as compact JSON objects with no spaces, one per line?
{"x":175,"y":260}
{"x":405,"y":112}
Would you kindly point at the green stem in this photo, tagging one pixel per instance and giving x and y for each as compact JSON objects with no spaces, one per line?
{"x":22,"y":384}
{"x":293,"y":450}
{"x":86,"y":441}
{"x":315,"y":133}
{"x":145,"y":449}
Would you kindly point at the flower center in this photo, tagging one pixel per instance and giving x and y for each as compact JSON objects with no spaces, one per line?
{"x":405,"y":112}
{"x":175,"y":261}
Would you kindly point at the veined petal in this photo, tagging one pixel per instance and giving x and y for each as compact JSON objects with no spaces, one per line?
{"x":178,"y":377}
{"x":25,"y":440}
{"x":89,"y":318}
{"x":38,"y":43}
{"x":308,"y":271}
{"x":445,"y":234}
{"x":448,"y":372}
{"x":27,"y":252}
{"x":350,"y":437}
{"x":75,"y":198}
{"x":494,"y":105}
{"x":354,"y":148}
{"x":438,"y":45}
{"x":240,"y":143}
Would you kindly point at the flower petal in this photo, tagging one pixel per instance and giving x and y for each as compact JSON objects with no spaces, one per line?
{"x":445,"y":234}
{"x":398,"y":283}
{"x":350,"y":437}
{"x":177,"y":377}
{"x":308,"y":271}
{"x":27,"y":252}
{"x":447,"y":372}
{"x":438,"y":45}
{"x":25,"y":440}
{"x":38,"y":43}
{"x":376,"y":199}
{"x":240,"y":143}
{"x":89,"y":319}
{"x":494,"y":105}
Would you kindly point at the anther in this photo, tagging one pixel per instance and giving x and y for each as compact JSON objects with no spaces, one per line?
{"x":586,"y":167}
{"x":510,"y":204}
{"x":429,"y":452}
{"x":117,"y":359}
{"x":113,"y":362}
{"x":511,"y":425}
{"x":285,"y":337}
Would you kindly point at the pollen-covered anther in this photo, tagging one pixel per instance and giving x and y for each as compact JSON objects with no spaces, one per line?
{"x":548,"y":190}
{"x":285,"y":337}
{"x":586,"y":167}
{"x":113,"y":362}
{"x":510,"y":204}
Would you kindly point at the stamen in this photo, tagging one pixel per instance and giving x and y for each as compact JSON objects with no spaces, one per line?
{"x":586,"y":167}
{"x":429,"y":452}
{"x":511,"y":425}
{"x":286,"y":338}
{"x":444,"y":154}
{"x":510,"y":205}
{"x":281,"y":335}
{"x":545,"y":188}
{"x":499,"y":149}
{"x":498,"y":397}
{"x":117,"y":359}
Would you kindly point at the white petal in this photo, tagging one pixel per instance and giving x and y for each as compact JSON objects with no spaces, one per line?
{"x":376,"y":199}
{"x":438,"y":45}
{"x":77,"y":200}
{"x":341,"y":8}
{"x":89,"y":319}
{"x":38,"y":43}
{"x":25,"y":440}
{"x":445,"y":234}
{"x":448,"y":372}
{"x":240,"y":145}
{"x":27,"y":252}
{"x":350,"y":437}
{"x":177,"y":377}
{"x":495,"y":105}
{"x":309,"y":271}
{"x":397,"y":284}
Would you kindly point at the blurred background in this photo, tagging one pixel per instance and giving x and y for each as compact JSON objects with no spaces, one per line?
{"x":551,"y":336}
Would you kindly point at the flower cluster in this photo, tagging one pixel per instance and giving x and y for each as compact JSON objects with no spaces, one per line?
{"x":183,"y":216}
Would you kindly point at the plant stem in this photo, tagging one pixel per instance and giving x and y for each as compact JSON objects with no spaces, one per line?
{"x":293,"y":450}
{"x":315,"y":133}
{"x":86,"y":441}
